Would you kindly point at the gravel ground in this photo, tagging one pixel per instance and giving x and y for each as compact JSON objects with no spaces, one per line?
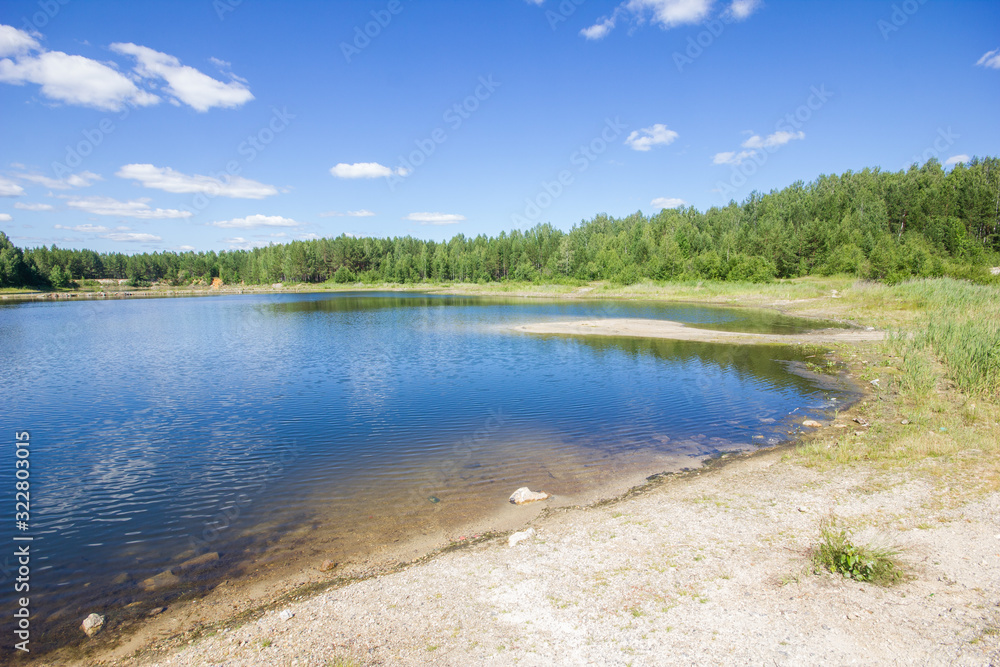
{"x":711,"y":568}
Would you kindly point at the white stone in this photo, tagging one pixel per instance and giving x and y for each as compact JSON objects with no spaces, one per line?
{"x":526,"y":495}
{"x":811,"y":423}
{"x":285,"y":615}
{"x":520,"y":536}
{"x":92,"y":624}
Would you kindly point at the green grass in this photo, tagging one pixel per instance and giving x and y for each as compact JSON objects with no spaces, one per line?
{"x":838,"y":553}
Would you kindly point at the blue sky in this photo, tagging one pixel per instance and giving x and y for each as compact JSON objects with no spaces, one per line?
{"x":223,"y":124}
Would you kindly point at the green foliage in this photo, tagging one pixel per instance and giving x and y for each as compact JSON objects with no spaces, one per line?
{"x":344,"y":275}
{"x":58,"y":278}
{"x":839,"y":554}
{"x":891,"y":227}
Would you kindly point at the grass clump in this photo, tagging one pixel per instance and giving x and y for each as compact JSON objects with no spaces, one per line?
{"x":838,"y":553}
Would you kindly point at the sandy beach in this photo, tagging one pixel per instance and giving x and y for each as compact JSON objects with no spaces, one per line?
{"x":637,"y":328}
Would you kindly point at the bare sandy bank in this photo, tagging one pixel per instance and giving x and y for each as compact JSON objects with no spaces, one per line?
{"x":677,"y":331}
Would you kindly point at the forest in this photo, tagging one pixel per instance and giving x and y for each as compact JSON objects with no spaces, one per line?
{"x":888,"y":226}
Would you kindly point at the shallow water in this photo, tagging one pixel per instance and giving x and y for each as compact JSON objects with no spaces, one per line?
{"x":338,"y":424}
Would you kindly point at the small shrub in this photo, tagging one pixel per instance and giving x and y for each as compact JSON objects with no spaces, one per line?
{"x":839,"y":554}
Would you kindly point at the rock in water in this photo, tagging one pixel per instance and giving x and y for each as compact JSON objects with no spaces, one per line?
{"x":525,"y":495}
{"x":162,"y":580}
{"x":196,"y":563}
{"x":811,"y":423}
{"x":520,"y":536}
{"x":92,"y":624}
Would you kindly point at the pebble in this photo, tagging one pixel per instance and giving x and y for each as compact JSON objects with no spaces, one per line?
{"x":92,"y":624}
{"x":285,"y":615}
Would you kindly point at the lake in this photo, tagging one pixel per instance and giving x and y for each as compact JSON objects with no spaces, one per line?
{"x":296,"y":428}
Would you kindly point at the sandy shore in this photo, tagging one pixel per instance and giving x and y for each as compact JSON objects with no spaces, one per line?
{"x":637,"y":328}
{"x":710,"y":568}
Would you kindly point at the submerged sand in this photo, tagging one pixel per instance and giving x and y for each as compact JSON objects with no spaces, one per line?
{"x":639,"y":328}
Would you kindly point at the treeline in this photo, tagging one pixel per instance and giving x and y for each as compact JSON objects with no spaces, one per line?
{"x":872,"y":224}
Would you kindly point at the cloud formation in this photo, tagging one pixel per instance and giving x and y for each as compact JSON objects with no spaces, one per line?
{"x":64,"y":78}
{"x":362,"y":213}
{"x":135,"y":208}
{"x":668,"y":202}
{"x":253,"y":221}
{"x":365,"y":170}
{"x":990,"y":59}
{"x":435,"y":218}
{"x":667,"y":14}
{"x":755,"y":143}
{"x":954,"y":159}
{"x":185,"y":84}
{"x":168,"y":180}
{"x":80,"y":81}
{"x":647,"y":137}
{"x":33,"y":207}
{"x":10,"y":188}
{"x":82,"y":180}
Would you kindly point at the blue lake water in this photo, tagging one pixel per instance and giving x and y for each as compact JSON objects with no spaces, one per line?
{"x":296,"y":428}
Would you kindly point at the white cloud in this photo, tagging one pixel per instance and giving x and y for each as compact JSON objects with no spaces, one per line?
{"x":186,"y":248}
{"x":131,"y":237}
{"x":137,"y":208}
{"x":954,"y":159}
{"x":362,"y":213}
{"x":435,"y":218}
{"x":756,"y":143}
{"x":33,"y":207}
{"x":65,"y":78}
{"x":600,"y":29}
{"x":309,"y":236}
{"x":240,"y":243}
{"x":365,"y":170}
{"x":535,"y":2}
{"x":668,"y":14}
{"x":14,"y":42}
{"x":647,"y":137}
{"x":165,"y":178}
{"x":779,"y":138}
{"x":10,"y":188}
{"x":672,"y":13}
{"x":668,"y":202}
{"x":5,"y":217}
{"x":82,"y":180}
{"x":990,"y":59}
{"x":185,"y":84}
{"x":90,"y":229}
{"x":733,"y":158}
{"x":252,"y":221}
{"x":742,"y":9}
